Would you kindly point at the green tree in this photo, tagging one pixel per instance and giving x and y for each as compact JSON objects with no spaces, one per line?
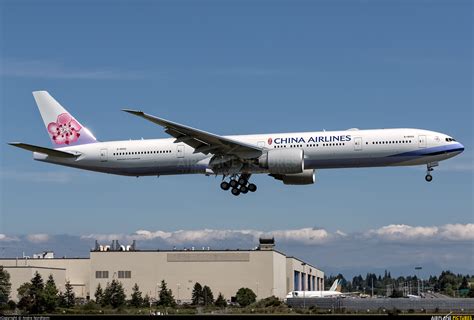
{"x":68,"y":297}
{"x":271,"y":301}
{"x":5,"y":287}
{"x":61,"y":300}
{"x":114,"y":294}
{"x":25,"y":301}
{"x":220,"y":301}
{"x":36,"y":293}
{"x":197,"y":294}
{"x":137,"y":300}
{"x":447,"y":282}
{"x":99,"y":294}
{"x":396,"y":294}
{"x":31,"y":295}
{"x":50,"y":295}
{"x":166,"y":296}
{"x":464,"y":284}
{"x":146,"y":301}
{"x":470,"y":294}
{"x":207,"y":296}
{"x":448,"y":289}
{"x":245,"y":296}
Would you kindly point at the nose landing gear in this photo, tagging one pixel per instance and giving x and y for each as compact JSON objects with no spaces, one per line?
{"x":239,"y":185}
{"x":429,"y":168}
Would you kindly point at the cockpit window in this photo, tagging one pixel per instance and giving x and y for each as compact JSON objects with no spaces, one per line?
{"x":450,"y":139}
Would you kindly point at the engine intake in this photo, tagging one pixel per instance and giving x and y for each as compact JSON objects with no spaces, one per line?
{"x":283,"y":161}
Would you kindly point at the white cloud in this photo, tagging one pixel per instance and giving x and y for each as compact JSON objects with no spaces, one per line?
{"x":38,"y":237}
{"x":340,"y":233}
{"x":306,"y":236}
{"x":149,"y":235}
{"x":5,"y":238}
{"x":103,"y":237}
{"x":458,"y":232}
{"x":403,"y":232}
{"x":202,"y":236}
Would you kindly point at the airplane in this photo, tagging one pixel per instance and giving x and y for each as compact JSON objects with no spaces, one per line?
{"x":334,"y":291}
{"x":291,"y":158}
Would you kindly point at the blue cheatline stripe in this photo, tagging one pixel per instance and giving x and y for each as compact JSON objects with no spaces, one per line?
{"x":431,"y":151}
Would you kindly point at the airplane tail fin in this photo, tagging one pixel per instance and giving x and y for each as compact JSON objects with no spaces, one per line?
{"x":334,"y":286}
{"x":63,"y":129}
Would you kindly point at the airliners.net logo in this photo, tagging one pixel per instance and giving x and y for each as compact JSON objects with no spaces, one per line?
{"x":452,"y":317}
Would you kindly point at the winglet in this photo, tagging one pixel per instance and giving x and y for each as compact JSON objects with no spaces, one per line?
{"x":135,"y":112}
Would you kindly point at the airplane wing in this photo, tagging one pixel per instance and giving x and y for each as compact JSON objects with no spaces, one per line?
{"x":202,"y":141}
{"x":47,"y":151}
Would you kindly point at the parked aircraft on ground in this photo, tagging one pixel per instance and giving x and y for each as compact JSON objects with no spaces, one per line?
{"x":289,"y":157}
{"x":334,"y":291}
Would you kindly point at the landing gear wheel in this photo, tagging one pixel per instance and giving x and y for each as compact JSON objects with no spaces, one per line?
{"x":225,"y":185}
{"x":252,"y":187}
{"x":235,"y":191}
{"x":244,"y":189}
{"x":242,"y":181}
{"x":233,"y":183}
{"x":428,"y":177}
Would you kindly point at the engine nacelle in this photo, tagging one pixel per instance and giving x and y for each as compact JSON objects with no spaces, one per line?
{"x":306,"y":177}
{"x":283,"y":161}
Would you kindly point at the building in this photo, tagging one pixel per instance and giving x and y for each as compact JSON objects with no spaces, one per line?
{"x":264,"y":270}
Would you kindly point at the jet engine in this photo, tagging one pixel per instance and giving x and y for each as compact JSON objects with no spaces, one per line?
{"x":283,"y":161}
{"x":306,"y":177}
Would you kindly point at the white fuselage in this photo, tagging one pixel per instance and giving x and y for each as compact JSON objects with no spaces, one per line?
{"x":314,"y":294}
{"x":327,"y":149}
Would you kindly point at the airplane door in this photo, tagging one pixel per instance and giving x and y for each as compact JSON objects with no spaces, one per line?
{"x":180,"y":151}
{"x":358,"y":144}
{"x":103,"y":155}
{"x":422,"y":141}
{"x":261,"y":144}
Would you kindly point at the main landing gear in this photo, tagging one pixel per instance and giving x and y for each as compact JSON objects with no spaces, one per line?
{"x":429,"y":168}
{"x":239,"y":185}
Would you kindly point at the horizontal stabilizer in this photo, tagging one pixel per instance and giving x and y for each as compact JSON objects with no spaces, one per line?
{"x":48,"y":151}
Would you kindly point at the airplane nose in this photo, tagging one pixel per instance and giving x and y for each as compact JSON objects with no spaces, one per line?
{"x":458,"y":147}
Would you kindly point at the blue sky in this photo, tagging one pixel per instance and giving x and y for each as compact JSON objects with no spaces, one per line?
{"x":235,"y":67}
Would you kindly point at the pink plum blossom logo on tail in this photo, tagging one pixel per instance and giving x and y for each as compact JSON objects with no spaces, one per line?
{"x":65,"y":130}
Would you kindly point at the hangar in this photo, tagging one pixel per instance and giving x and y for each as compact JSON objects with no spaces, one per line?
{"x":264,"y":270}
